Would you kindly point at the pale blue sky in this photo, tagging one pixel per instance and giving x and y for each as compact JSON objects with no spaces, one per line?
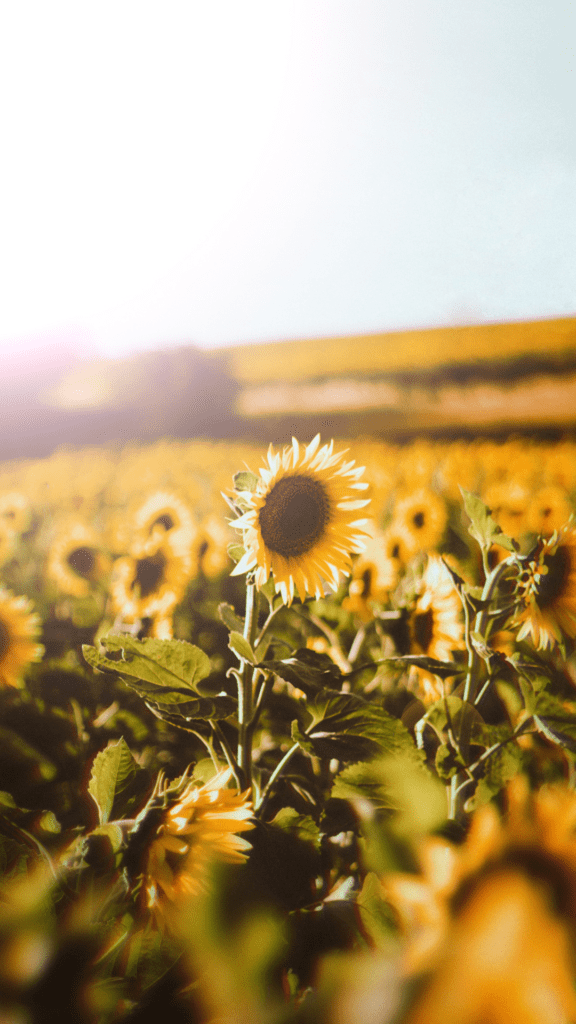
{"x":219,"y":171}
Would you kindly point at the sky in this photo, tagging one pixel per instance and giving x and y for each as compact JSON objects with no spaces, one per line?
{"x":224,"y":171}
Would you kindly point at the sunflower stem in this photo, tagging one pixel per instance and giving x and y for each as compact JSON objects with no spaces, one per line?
{"x":245,"y":686}
{"x":472,"y":683}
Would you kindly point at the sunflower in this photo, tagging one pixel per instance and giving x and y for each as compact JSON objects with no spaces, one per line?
{"x":151,"y":579}
{"x":547,"y":590}
{"x":549,"y":510}
{"x":435,"y":625}
{"x":214,"y":538}
{"x":302,"y":522}
{"x":508,"y":501}
{"x":495,"y":916}
{"x":19,"y":630}
{"x":15,"y":511}
{"x":422,"y":518}
{"x":375,"y":573}
{"x":7,"y":541}
{"x":199,"y":825}
{"x":164,"y":510}
{"x":76,"y":561}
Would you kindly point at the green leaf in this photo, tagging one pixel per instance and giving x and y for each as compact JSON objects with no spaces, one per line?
{"x":309,"y":671}
{"x":461,"y":716}
{"x":241,"y":647}
{"x":301,"y":825}
{"x":447,"y":762}
{"x":400,"y":784}
{"x":556,"y":722}
{"x":113,"y":769}
{"x":347,"y":727}
{"x":168,"y":665}
{"x":229,"y":618}
{"x":245,"y":481}
{"x":483,"y":527}
{"x":200,"y":709}
{"x":444,"y":669}
{"x":500,"y":767}
{"x":376,"y":915}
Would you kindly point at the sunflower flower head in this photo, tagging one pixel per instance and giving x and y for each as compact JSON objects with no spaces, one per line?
{"x":193,"y":826}
{"x":435,"y":625}
{"x":19,"y":631}
{"x":301,"y":521}
{"x":494,"y":917}
{"x":547,"y":590}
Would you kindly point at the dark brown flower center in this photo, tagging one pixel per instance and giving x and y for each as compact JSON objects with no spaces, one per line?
{"x":294,"y":516}
{"x":5,"y":639}
{"x":164,"y":520}
{"x":418,"y":520}
{"x":367,"y":579}
{"x":423,"y":626}
{"x":149,"y":573}
{"x":83,"y":561}
{"x":552,"y":585}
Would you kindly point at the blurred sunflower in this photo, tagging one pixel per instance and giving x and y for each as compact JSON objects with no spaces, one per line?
{"x":508,"y":501}
{"x":76,"y":561}
{"x":7,"y":542}
{"x":199,"y":825}
{"x":213,"y":540}
{"x":548,"y":510}
{"x":547,"y":590}
{"x":422,"y":517}
{"x":15,"y":511}
{"x":151,"y":579}
{"x":375,"y":573}
{"x":302,"y":523}
{"x":494,"y":918}
{"x":19,"y":631}
{"x":164,"y":510}
{"x":435,"y":625}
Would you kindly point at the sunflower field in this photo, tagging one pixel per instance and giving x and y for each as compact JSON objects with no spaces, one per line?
{"x":289,"y":735}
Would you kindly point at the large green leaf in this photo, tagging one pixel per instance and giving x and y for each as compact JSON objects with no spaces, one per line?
{"x":347,"y":727}
{"x":171,"y":667}
{"x":112,"y":771}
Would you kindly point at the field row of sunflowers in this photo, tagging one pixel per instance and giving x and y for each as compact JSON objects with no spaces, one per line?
{"x":289,"y":735}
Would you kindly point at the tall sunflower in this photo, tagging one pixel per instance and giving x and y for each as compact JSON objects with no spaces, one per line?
{"x":199,"y":824}
{"x":301,"y":524}
{"x":19,"y":631}
{"x":547,"y":590}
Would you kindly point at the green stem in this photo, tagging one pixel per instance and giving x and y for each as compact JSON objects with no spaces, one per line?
{"x":245,"y":687}
{"x":278,"y":769}
{"x":461,"y":779}
{"x":480,"y":624}
{"x":232,"y":763}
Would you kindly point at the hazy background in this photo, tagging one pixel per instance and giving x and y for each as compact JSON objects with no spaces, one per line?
{"x":218,"y":172}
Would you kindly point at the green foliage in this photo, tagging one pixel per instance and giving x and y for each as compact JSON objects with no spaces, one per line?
{"x":113,"y":770}
{"x":166,"y":664}
{"x":483,"y":527}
